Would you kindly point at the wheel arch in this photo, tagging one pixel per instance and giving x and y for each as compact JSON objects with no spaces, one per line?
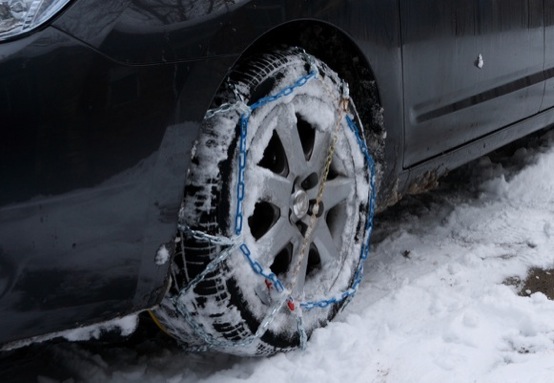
{"x":335,"y":48}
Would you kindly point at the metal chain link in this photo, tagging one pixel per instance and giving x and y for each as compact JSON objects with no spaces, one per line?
{"x":231,"y":244}
{"x":227,"y":107}
{"x":202,"y":236}
{"x":212,"y":342}
{"x":259,"y":269}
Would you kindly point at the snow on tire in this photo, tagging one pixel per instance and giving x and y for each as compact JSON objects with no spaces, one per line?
{"x":287,"y":145}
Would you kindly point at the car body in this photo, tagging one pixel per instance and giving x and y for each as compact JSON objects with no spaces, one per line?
{"x":102,"y":102}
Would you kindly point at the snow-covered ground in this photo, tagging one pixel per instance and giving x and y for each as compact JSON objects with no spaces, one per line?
{"x":434,"y":306}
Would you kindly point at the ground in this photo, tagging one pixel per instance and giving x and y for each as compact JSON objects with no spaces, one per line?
{"x":458,"y":288}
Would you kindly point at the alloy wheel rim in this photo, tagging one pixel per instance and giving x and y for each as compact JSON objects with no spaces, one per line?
{"x":289,"y":175}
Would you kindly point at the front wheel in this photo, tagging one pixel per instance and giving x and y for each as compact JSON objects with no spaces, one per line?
{"x":276,"y":216}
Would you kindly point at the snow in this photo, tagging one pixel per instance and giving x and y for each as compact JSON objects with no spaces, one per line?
{"x":162,"y":256}
{"x":433,"y":307}
{"x":124,"y":325}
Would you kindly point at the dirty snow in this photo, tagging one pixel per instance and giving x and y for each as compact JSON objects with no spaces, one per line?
{"x":433,"y":306}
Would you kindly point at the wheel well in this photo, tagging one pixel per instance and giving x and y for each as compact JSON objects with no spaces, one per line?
{"x":333,"y":47}
{"x":341,"y":54}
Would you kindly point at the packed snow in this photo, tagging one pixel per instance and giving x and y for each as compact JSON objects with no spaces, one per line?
{"x":440,"y":301}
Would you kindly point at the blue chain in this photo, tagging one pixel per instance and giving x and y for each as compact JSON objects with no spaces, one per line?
{"x":258,"y":269}
{"x":285,"y":92}
{"x":242,"y":167}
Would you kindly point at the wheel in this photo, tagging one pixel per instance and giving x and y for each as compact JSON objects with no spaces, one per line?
{"x":243,"y":273}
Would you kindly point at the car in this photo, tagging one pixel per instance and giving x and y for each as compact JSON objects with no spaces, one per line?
{"x":220,"y":162}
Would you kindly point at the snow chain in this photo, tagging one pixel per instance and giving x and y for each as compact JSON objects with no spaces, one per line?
{"x":229,"y":245}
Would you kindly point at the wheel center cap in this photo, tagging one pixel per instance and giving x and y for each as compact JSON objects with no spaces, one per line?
{"x":300,"y":203}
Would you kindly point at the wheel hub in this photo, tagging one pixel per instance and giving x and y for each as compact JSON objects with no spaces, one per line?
{"x":300,"y":204}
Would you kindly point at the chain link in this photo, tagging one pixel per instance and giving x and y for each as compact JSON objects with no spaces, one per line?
{"x":211,"y":342}
{"x":239,"y":106}
{"x":231,"y":244}
{"x":258,"y":269}
{"x":205,"y":237}
{"x":241,"y":170}
{"x":301,"y":331}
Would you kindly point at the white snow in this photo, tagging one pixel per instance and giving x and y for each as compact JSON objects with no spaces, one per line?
{"x":124,"y":325}
{"x":162,"y":256}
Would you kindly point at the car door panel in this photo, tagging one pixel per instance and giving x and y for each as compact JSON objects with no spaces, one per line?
{"x":464,"y":62}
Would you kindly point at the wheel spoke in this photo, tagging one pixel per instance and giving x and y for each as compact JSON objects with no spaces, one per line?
{"x":275,"y":189}
{"x":317,"y":161}
{"x":325,"y":244}
{"x":336,"y":191}
{"x":288,"y":134}
{"x":300,"y":278}
{"x":280,"y":235}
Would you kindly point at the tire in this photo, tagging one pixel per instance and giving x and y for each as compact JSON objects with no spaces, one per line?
{"x":287,"y":142}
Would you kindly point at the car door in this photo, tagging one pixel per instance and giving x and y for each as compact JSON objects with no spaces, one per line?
{"x":470,"y":67}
